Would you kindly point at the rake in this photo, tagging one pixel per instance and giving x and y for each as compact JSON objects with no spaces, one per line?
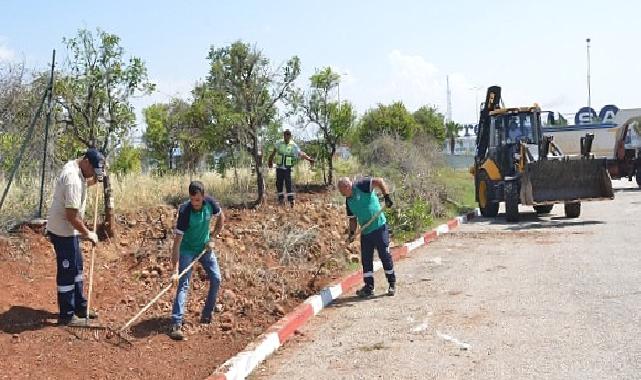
{"x":122,"y":332}
{"x":81,"y":330}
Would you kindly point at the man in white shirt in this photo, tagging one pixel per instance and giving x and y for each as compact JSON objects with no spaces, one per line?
{"x":65,"y":226}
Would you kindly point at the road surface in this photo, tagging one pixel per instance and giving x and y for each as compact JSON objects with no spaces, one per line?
{"x":547,"y":298}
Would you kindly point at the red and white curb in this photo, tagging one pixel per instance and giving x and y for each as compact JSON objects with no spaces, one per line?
{"x":241,"y":365}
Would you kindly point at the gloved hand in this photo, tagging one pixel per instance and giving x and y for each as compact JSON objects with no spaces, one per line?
{"x":174,"y":279}
{"x":388,"y":201}
{"x":93,"y":237}
{"x":211,"y":245}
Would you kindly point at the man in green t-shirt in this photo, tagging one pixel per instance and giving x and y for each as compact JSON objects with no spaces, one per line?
{"x":364,"y":208}
{"x":191,"y":238}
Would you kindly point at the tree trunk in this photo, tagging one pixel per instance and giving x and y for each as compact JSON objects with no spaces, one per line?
{"x":110,"y":214}
{"x":234,"y":165}
{"x":330,"y":166}
{"x":452,"y":142}
{"x":260,"y":180}
{"x":321,"y":162}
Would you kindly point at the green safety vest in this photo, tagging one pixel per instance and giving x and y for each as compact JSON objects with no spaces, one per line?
{"x":285,"y":154}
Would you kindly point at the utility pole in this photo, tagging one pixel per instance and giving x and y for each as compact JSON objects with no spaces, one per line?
{"x":476,"y":101}
{"x":46,"y":140}
{"x":587,"y":40}
{"x":449,"y":99}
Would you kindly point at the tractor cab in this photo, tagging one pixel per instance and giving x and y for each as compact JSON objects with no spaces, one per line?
{"x":509,"y":128}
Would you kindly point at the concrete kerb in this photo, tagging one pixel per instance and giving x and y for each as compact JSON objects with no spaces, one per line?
{"x":243,"y":363}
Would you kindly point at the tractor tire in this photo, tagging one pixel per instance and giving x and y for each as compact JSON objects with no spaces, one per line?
{"x":512,"y":201}
{"x":543,"y":209}
{"x":572,"y":210}
{"x":489,"y":208}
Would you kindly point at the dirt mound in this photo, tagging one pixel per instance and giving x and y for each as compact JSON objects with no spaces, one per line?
{"x":271,"y":259}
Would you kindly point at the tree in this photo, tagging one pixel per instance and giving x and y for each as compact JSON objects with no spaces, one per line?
{"x":21,"y":93}
{"x":242,"y":75}
{"x":332,"y":119}
{"x":128,"y":160}
{"x":393,"y":119}
{"x":196,"y":127}
{"x":431,"y":122}
{"x":213,"y":119}
{"x":451,"y":130}
{"x":158,"y":137}
{"x":94,"y":94}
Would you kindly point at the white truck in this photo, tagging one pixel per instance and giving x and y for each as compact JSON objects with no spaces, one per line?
{"x":619,"y":142}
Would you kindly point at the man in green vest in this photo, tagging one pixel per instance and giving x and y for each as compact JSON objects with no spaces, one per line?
{"x":364,"y":208}
{"x":287,"y":153}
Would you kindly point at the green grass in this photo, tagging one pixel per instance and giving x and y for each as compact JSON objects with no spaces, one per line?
{"x":460,"y":188}
{"x":459,"y":185}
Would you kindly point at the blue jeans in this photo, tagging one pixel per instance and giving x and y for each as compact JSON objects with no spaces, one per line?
{"x":209,"y":263}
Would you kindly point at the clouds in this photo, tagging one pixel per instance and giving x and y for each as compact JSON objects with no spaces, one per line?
{"x":416,"y":81}
{"x":6,"y":53}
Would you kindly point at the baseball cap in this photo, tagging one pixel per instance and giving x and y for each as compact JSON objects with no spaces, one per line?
{"x":97,"y":160}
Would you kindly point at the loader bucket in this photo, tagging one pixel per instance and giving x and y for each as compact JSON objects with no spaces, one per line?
{"x":551,"y":181}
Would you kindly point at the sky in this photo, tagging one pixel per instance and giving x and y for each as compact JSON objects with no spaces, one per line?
{"x":385,"y":50}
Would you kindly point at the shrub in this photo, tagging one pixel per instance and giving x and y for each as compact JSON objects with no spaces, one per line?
{"x":411,"y":169}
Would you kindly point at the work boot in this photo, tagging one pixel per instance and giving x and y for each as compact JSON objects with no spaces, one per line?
{"x":365,"y":291}
{"x":83,"y":314}
{"x":205,"y":320}
{"x":73,"y":321}
{"x":176,"y":332}
{"x":391,"y":290}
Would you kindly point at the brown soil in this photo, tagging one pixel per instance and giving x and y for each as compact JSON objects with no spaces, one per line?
{"x":262,"y":280}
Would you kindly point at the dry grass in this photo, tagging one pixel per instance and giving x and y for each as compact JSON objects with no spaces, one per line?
{"x":134,"y":191}
{"x":22,"y":201}
{"x":291,"y":243}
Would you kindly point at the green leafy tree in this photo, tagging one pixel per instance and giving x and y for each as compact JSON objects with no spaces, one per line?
{"x":96,"y":89}
{"x":128,"y":159}
{"x":332,"y":119}
{"x":94,"y":93}
{"x":158,"y":137}
{"x":431,"y":122}
{"x":245,"y":78}
{"x":393,"y":119}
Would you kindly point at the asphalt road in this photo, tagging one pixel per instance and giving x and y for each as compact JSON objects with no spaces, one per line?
{"x":547,"y":298}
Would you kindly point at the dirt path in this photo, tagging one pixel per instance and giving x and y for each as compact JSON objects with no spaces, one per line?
{"x":549,"y":298}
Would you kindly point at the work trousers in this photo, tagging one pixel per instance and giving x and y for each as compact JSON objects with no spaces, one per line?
{"x":379,"y":240}
{"x":284,"y":177}
{"x":69,"y":275}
